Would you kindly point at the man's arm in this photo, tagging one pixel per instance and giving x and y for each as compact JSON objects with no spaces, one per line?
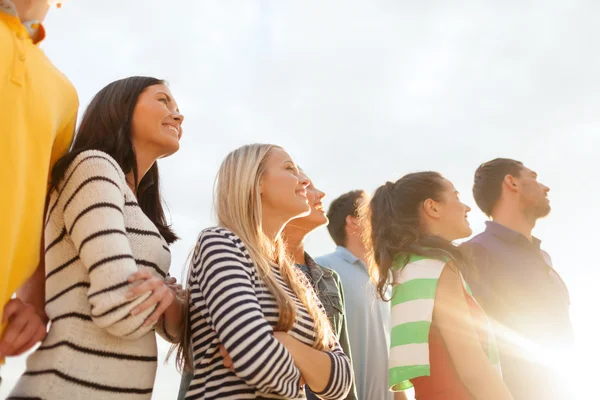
{"x":27,"y":320}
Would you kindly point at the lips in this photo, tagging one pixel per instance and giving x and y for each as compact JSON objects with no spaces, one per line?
{"x":173,"y":129}
{"x":318,"y":206}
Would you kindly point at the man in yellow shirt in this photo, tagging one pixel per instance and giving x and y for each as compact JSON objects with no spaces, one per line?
{"x":38,"y":113}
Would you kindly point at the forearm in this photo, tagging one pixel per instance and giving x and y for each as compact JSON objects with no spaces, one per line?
{"x":400,"y":396}
{"x":314,"y":365}
{"x":33,"y":291}
{"x":486,"y":384}
{"x":173,"y":318}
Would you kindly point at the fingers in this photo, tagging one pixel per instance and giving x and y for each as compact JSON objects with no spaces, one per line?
{"x":158,"y":289}
{"x":150,"y":284}
{"x":170,"y":281}
{"x":25,"y":328}
{"x":167,"y":298}
{"x":142,"y":274}
{"x":12,"y":307}
{"x":227,"y":361}
{"x":38,"y":335}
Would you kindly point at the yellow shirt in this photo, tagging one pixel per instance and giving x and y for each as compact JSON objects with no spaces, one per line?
{"x":38,"y":112}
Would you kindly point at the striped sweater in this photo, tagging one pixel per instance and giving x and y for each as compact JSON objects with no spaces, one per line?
{"x":96,"y":235}
{"x":230,"y":305}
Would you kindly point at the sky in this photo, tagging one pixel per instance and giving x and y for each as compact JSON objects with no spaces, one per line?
{"x":361,"y":92}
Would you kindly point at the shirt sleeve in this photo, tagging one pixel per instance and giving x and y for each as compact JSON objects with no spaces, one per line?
{"x":222,"y":276}
{"x":93,"y":213}
{"x":63,"y":140}
{"x":340,"y":377}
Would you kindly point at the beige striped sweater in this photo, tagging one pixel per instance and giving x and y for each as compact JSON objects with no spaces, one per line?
{"x":96,"y":235}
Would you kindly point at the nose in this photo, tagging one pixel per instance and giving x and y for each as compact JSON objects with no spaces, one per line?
{"x":546,"y":188}
{"x":467,"y":208}
{"x":177,"y":116}
{"x":304,"y":181}
{"x":321,"y":195}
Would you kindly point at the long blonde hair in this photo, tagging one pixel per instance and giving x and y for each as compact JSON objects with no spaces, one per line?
{"x":238,"y":208}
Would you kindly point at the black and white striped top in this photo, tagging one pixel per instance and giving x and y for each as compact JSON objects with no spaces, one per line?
{"x":95,"y":236}
{"x":230,"y":305}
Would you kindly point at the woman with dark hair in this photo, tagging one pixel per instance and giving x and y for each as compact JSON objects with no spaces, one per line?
{"x":106,"y":253}
{"x":440,"y":341}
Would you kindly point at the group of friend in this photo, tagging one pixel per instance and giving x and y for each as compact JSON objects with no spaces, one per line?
{"x":86,"y":258}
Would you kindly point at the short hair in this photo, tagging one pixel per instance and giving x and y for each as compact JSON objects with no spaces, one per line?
{"x":339,"y":210}
{"x":487,"y":186}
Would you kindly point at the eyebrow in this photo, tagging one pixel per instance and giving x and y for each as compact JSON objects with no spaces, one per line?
{"x":169,"y":99}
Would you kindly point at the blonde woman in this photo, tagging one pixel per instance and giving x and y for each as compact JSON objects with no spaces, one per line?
{"x":257,"y":329}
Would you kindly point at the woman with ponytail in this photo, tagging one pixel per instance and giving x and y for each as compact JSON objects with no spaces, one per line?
{"x":256,"y":328}
{"x":440,"y":341}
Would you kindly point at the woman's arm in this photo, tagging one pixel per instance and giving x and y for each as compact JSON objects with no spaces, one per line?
{"x":452,"y":317}
{"x":327,"y":374}
{"x":221,"y":277}
{"x":93,"y":214}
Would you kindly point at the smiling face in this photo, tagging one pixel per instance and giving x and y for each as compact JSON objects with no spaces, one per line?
{"x":156,"y":124}
{"x":317,"y":216}
{"x":453,"y":213}
{"x":283,"y":189}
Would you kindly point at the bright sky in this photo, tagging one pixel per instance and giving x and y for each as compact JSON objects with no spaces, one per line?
{"x":361,"y":92}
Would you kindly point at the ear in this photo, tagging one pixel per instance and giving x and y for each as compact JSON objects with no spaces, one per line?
{"x":510,"y":183}
{"x":351,"y":223}
{"x":431,"y":208}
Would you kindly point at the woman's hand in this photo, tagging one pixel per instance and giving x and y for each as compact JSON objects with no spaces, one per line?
{"x":177,"y":289}
{"x":162,"y":295}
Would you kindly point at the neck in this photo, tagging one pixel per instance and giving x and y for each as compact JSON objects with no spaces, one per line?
{"x":144,"y":163}
{"x":29,"y":10}
{"x":294,"y":238}
{"x":514,"y":220}
{"x":272,"y":226}
{"x":356,"y":247}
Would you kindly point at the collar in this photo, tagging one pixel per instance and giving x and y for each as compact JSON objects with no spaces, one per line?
{"x":34,"y":28}
{"x":345,"y":254}
{"x":508,"y":235}
{"x":315,"y":271}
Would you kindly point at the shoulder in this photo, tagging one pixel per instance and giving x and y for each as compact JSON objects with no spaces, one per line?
{"x":218,"y":237}
{"x":326,"y":260}
{"x":419,"y":268}
{"x":97,"y":161}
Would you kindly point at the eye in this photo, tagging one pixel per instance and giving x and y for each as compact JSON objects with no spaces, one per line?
{"x":164,"y":100}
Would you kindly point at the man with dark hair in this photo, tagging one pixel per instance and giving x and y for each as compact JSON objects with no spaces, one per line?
{"x":367,"y":316}
{"x":515,"y":282}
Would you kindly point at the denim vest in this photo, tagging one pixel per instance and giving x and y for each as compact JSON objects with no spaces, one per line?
{"x":328,"y":286}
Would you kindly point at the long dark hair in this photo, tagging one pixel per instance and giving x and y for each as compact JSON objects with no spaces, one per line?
{"x":392,"y":226}
{"x":106,"y":126}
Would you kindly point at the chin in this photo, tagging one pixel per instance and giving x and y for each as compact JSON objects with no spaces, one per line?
{"x":301,"y":211}
{"x":465,"y":232}
{"x":170,"y":149}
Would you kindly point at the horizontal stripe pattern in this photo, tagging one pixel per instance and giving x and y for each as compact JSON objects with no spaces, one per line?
{"x":413,"y":300}
{"x":230,"y":305}
{"x":96,"y":236}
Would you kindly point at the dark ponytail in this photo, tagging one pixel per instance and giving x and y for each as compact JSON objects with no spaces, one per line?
{"x":392,"y":226}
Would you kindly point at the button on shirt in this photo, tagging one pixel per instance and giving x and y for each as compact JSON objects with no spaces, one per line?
{"x":368,"y":321}
{"x":517,"y":286}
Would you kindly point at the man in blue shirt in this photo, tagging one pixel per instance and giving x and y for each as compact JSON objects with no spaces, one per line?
{"x":367,"y":316}
{"x":515,"y":282}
